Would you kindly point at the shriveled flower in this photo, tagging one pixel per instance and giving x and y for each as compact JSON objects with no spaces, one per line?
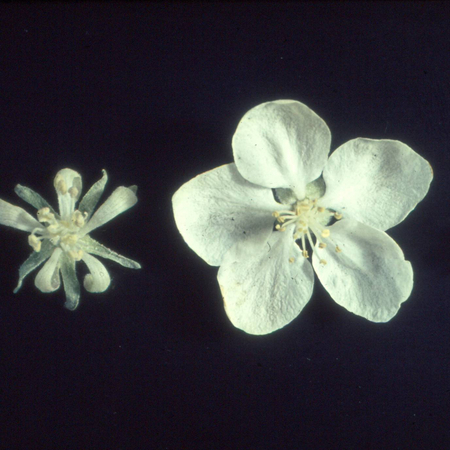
{"x":260,"y":218}
{"x":63,"y":239}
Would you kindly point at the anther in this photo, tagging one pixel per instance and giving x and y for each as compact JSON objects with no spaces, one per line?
{"x":34,"y":242}
{"x":337,"y":216}
{"x":60,"y":184}
{"x":76,"y":255}
{"x":73,"y":191}
{"x":291,"y":260}
{"x":78,"y":218}
{"x":305,"y":253}
{"x":325,"y":233}
{"x":322,"y":245}
{"x":338,"y":250}
{"x":322,"y":261}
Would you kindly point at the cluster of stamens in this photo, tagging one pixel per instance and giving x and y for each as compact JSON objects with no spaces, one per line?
{"x":309,"y":219}
{"x":60,"y":232}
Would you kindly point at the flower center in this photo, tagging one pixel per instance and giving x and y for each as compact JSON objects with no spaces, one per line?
{"x":309,"y":219}
{"x":59,"y":232}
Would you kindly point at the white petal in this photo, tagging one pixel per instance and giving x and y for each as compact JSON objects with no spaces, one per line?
{"x":98,"y":280}
{"x":48,"y":279}
{"x":13,"y":216}
{"x":375,"y":182}
{"x":119,"y":201}
{"x":370,"y":276}
{"x":262,"y":290}
{"x":281,"y":144}
{"x":218,"y":208}
{"x":68,"y":187}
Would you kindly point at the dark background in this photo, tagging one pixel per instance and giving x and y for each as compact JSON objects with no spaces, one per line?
{"x":153,"y":92}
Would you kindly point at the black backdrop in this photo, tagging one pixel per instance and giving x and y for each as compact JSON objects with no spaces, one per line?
{"x":153,"y":92}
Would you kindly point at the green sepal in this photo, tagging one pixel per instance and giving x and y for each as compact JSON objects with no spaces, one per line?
{"x":33,"y":261}
{"x":93,"y":247}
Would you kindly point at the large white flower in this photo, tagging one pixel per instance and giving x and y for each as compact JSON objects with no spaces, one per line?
{"x":62,"y":239}
{"x":260,"y":218}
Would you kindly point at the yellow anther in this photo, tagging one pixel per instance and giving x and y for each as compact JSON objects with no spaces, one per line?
{"x":322,"y":245}
{"x":276,"y":214}
{"x":322,"y":261}
{"x":338,"y":250}
{"x":321,"y":209}
{"x":76,"y":255}
{"x":70,"y":239}
{"x":305,"y":253}
{"x":73,"y":191}
{"x":60,"y":184}
{"x":78,"y":218}
{"x":291,"y":260}
{"x":34,"y":242}
{"x":325,"y":233}
{"x":337,"y":216}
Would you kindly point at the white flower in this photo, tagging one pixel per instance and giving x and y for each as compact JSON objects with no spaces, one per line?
{"x":62,"y":239}
{"x":338,"y":209}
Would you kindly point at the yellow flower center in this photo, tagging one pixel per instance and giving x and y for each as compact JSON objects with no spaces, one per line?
{"x":61,"y":233}
{"x":309,"y":219}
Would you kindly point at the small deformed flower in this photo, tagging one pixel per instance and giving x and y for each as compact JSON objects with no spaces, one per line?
{"x":260,"y":218}
{"x":63,"y":239}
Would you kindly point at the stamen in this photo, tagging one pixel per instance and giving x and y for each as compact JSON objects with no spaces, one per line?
{"x":291,"y":260}
{"x":76,"y":255}
{"x":73,"y":191}
{"x":60,"y":185}
{"x":78,"y":218}
{"x":322,"y":261}
{"x":311,"y":223}
{"x":34,"y":242}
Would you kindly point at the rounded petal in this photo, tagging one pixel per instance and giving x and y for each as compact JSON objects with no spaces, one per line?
{"x":218,"y":208}
{"x":377,"y":182}
{"x":281,"y":144}
{"x":120,"y":200}
{"x":98,"y":280}
{"x":265,"y":287}
{"x":13,"y":216}
{"x":369,"y":276}
{"x":48,"y":279}
{"x":68,"y":187}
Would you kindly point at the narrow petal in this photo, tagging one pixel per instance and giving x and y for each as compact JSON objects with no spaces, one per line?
{"x":377,"y":182}
{"x":281,"y":144}
{"x":71,"y":285}
{"x":265,"y":288}
{"x":98,"y":280}
{"x":47,"y":279}
{"x":33,"y":198}
{"x":13,"y":216}
{"x":218,"y":208}
{"x":93,"y":247}
{"x":90,"y":200}
{"x":369,"y":276}
{"x":34,"y":261}
{"x":119,"y":201}
{"x":68,"y":187}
